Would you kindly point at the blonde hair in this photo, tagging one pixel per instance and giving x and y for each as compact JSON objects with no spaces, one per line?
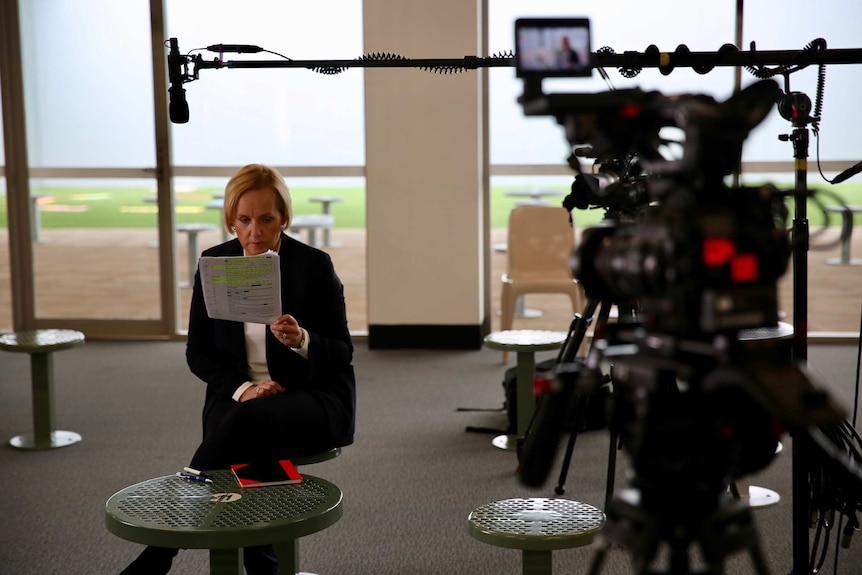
{"x":256,"y":177}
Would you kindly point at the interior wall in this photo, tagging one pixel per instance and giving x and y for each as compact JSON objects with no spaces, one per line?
{"x":424,"y":178}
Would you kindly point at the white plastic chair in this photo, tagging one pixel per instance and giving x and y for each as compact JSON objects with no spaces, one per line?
{"x":540,"y":242}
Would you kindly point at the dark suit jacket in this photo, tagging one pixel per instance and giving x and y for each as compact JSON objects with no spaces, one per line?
{"x":313,"y":294}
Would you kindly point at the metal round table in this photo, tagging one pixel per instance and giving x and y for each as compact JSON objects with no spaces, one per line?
{"x":220,"y":516}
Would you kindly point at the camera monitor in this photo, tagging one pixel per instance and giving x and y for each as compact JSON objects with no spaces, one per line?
{"x":552,"y":47}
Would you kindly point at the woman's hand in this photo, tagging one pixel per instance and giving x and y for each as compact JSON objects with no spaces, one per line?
{"x":287,"y":330}
{"x":262,"y":389}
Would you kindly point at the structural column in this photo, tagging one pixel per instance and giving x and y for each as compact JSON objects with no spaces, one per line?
{"x":424,"y":169}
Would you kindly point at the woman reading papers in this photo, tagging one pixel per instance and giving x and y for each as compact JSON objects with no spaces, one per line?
{"x":278,"y":390}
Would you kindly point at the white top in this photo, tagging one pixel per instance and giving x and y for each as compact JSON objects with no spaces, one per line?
{"x":255,"y":350}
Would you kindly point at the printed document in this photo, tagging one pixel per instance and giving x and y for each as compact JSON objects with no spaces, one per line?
{"x":242,"y":288}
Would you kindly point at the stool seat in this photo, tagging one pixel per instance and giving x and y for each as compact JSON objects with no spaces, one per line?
{"x":41,"y":340}
{"x":40,"y":344}
{"x":782,"y":330}
{"x":525,"y":340}
{"x":537,"y":526}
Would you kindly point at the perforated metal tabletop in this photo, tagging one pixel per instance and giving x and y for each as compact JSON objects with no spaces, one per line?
{"x":174,"y":512}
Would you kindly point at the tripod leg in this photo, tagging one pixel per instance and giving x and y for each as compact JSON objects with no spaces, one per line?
{"x":612,"y":467}
{"x":758,"y":560}
{"x":580,"y":410}
{"x":579,"y":330}
{"x":599,"y":559}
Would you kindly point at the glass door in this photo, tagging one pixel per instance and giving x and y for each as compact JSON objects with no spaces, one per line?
{"x":91,"y":145}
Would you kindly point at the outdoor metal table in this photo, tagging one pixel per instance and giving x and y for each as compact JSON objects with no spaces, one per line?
{"x":220,"y":516}
{"x":325,"y":201}
{"x":847,"y":213}
{"x":192,"y":230}
{"x":535,"y":196}
{"x":36,"y":216}
{"x":218,"y":204}
{"x":311,"y":223}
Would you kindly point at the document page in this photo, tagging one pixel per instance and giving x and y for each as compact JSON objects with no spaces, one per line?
{"x":242,"y":288}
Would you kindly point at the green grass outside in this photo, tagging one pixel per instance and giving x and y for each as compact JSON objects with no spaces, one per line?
{"x":126,"y":207}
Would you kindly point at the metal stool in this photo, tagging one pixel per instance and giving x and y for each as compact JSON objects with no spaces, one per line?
{"x":537,"y":526}
{"x":759,"y":497}
{"x":40,"y":344}
{"x":525,"y":342}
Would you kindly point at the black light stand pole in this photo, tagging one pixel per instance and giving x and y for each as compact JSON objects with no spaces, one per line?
{"x":800,"y":235}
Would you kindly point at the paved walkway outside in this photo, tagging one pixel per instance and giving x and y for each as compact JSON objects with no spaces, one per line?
{"x":114,"y":274}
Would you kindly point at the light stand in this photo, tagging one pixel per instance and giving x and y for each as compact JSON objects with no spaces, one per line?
{"x":795,"y":107}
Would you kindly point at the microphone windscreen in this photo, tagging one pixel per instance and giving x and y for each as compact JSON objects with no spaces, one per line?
{"x":178,"y":107}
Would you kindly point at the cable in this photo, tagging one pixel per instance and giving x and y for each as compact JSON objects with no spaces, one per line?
{"x":467,"y":63}
{"x":834,"y":492}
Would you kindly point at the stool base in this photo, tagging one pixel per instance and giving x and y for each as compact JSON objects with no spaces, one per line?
{"x":841,"y":262}
{"x":506,"y":442}
{"x":58,"y":439}
{"x":761,"y":497}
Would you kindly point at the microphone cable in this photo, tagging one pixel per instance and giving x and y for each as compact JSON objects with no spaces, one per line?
{"x":469,"y":62}
{"x":832,"y":490}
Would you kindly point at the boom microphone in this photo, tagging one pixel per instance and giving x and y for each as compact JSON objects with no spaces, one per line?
{"x":178,"y":109}
{"x":848,"y":173}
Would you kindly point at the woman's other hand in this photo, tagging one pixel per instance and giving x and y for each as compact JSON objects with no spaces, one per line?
{"x":262,"y":389}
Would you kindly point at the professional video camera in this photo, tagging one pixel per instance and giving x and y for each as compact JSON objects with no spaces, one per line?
{"x":617,"y":185}
{"x":695,"y":404}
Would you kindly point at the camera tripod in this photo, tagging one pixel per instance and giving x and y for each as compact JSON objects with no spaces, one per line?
{"x":669,"y":510}
{"x":719,"y":525}
{"x":684,"y":446}
{"x":577,"y":333}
